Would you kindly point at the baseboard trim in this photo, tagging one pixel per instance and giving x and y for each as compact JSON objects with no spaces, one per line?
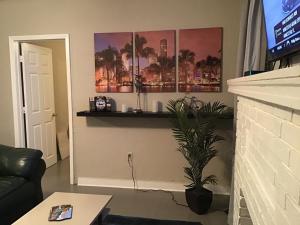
{"x":144,"y":185}
{"x":128,"y":184}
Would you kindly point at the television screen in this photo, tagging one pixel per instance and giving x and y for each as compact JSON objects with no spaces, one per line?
{"x":282,"y":18}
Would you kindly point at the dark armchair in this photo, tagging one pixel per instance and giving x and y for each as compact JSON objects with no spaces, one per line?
{"x":21,"y":171}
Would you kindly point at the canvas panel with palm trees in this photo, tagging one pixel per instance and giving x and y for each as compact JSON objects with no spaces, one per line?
{"x":200,"y":60}
{"x":155,"y":60}
{"x":114,"y":62}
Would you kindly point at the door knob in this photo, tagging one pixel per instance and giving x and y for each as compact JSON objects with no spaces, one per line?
{"x":54,"y":115}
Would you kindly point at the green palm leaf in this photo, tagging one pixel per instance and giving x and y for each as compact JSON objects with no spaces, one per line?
{"x":194,"y":130}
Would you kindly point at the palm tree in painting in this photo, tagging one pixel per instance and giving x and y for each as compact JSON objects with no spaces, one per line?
{"x":98,"y":64}
{"x":98,"y":60}
{"x":218,"y":62}
{"x":154,"y":68}
{"x":120,"y":69}
{"x":210,"y":65}
{"x":216,"y":65}
{"x":201,"y":65}
{"x":108,"y":60}
{"x":185,"y":57}
{"x":213,"y":64}
{"x":139,"y":46}
{"x":167,"y":64}
{"x":128,"y":51}
{"x":141,"y":51}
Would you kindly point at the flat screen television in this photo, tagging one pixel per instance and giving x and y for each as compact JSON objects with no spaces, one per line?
{"x":282,"y":19}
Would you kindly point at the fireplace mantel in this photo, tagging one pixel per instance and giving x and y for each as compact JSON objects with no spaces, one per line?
{"x":280,"y":87}
{"x":267,"y":152}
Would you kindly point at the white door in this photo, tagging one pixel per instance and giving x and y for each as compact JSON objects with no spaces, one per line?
{"x":39,"y":100}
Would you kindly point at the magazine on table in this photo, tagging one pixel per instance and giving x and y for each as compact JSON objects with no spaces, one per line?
{"x":60,"y":212}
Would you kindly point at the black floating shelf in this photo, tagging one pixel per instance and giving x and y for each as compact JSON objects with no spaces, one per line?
{"x":125,"y":114}
{"x":138,"y":115}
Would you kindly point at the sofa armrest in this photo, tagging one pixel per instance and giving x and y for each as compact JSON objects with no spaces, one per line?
{"x":22,"y":162}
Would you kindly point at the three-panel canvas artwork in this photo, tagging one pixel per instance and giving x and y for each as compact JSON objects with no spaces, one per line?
{"x":152,"y":54}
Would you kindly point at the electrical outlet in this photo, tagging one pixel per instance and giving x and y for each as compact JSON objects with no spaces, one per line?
{"x":129,"y":155}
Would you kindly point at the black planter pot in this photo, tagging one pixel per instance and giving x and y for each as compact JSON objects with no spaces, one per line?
{"x":198,"y":199}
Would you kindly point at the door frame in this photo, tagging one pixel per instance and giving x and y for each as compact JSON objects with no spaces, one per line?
{"x":16,"y":85}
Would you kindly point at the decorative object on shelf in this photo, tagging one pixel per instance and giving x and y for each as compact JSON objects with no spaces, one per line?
{"x":155,"y":106}
{"x":138,"y":86}
{"x":113,"y":62}
{"x":92,"y":104}
{"x":158,"y":69}
{"x":103,"y":104}
{"x":196,"y":137}
{"x":124,"y":108}
{"x":200,"y":60}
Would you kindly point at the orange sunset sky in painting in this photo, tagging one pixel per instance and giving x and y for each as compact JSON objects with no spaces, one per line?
{"x":154,"y":38}
{"x":203,"y":42}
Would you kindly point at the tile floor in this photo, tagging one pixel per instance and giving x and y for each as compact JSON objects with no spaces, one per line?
{"x":152,"y":204}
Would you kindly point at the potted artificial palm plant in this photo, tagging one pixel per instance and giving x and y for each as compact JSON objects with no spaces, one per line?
{"x":194,"y":130}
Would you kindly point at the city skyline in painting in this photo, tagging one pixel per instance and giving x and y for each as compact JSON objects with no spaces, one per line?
{"x":200,"y":60}
{"x":113,"y":62}
{"x":155,"y":60}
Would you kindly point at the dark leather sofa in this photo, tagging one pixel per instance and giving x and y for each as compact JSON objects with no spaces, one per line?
{"x":21,"y":171}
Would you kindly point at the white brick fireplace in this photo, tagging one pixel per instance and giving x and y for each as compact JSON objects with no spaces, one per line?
{"x":267,"y":155}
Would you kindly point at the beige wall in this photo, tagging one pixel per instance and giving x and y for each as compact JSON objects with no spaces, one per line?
{"x":101,"y":145}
